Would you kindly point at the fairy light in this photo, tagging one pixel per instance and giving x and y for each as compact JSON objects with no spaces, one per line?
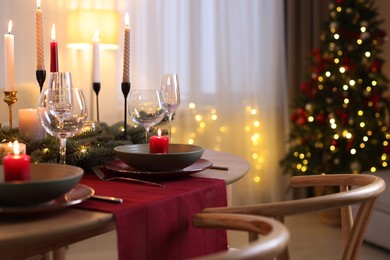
{"x":336,"y":60}
{"x":363,"y":29}
{"x":214,"y":117}
{"x":367,"y":54}
{"x":257,"y":179}
{"x":373,"y":83}
{"x":336,"y":36}
{"x":373,"y":169}
{"x":359,"y":41}
{"x":352,"y":83}
{"x":192,"y":105}
{"x":328,"y":74}
{"x":362,"y":124}
{"x":256,"y":123}
{"x":342,"y":69}
{"x":198,"y":117}
{"x":253,"y":111}
{"x":353,"y":151}
{"x":345,"y":87}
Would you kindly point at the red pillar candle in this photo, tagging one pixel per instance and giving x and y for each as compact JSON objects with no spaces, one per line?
{"x":16,"y":166}
{"x":53,"y":51}
{"x":158,"y":144}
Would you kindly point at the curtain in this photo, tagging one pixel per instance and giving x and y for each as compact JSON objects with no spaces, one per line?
{"x":230,"y":57}
{"x":231,"y":63}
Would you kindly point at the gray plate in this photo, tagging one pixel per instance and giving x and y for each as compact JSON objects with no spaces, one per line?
{"x":179,"y":156}
{"x":48,"y":181}
{"x":122,"y":168}
{"x":75,"y":196}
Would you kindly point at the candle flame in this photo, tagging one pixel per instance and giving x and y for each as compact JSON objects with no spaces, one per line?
{"x":38,"y":4}
{"x":127,"y":19}
{"x":10,"y":26}
{"x":16,"y":148}
{"x":96,"y":35}
{"x":159,"y":132}
{"x":53,"y":32}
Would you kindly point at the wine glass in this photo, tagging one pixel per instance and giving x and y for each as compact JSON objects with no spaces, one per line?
{"x":62,"y":110}
{"x":146,"y":108}
{"x":171,"y":92}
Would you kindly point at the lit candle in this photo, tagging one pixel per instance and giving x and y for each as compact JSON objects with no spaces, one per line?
{"x":53,"y":51}
{"x":29,"y":124}
{"x":39,"y":37}
{"x":96,"y":58}
{"x":9,"y":59}
{"x":126,"y":51}
{"x":158,"y":144}
{"x":16,"y":166}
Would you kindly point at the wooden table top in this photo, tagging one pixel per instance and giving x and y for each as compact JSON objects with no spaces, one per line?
{"x":28,"y":236}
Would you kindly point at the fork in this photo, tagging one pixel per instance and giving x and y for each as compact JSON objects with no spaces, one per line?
{"x":108,"y":177}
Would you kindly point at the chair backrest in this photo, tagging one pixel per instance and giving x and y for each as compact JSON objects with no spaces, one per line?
{"x":366,"y":190}
{"x":271,"y":235}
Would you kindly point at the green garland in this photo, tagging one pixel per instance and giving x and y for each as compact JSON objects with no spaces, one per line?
{"x":87,"y":149}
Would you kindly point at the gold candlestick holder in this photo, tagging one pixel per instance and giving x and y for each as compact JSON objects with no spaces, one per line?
{"x":10,"y":99}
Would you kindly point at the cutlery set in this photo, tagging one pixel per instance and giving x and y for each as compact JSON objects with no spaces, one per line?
{"x":108,"y":176}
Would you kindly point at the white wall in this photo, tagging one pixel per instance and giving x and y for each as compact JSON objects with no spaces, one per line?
{"x":78,"y":62}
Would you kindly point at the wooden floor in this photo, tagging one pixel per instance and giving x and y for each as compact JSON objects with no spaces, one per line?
{"x":310,"y":239}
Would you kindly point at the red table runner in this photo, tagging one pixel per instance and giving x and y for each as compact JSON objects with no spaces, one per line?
{"x":155,"y":223}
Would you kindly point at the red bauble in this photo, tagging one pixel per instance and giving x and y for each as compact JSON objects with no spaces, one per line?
{"x":321,"y":118}
{"x":376,"y":66}
{"x":301,"y":121}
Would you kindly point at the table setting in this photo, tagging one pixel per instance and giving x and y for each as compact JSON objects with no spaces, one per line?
{"x":57,"y":160}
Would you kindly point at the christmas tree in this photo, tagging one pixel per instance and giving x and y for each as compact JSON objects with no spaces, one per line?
{"x":340,"y":117}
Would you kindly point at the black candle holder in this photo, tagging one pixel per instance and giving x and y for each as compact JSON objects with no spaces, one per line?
{"x":96,"y":88}
{"x":41,"y":77}
{"x":125,"y":90}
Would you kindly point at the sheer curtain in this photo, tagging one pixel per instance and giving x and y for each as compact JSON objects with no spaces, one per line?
{"x":230,"y":58}
{"x":231,"y":64}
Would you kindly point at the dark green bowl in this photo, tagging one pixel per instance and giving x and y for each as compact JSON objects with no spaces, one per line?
{"x":179,"y":156}
{"x":48,"y":182}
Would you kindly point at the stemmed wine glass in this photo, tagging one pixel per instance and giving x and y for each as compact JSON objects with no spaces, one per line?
{"x":146,"y":108}
{"x":62,"y":110}
{"x":171,"y":92}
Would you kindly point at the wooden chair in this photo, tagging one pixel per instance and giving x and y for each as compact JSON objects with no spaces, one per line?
{"x":270,"y":236}
{"x":366,"y":189}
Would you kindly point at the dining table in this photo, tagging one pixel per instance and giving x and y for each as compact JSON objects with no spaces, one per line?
{"x":151,"y":222}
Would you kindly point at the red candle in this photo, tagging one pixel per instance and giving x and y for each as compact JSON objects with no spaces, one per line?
{"x":16,"y":166}
{"x":158,"y":144}
{"x":53,"y":51}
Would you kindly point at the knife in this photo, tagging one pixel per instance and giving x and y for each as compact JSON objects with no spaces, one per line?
{"x":107,"y":198}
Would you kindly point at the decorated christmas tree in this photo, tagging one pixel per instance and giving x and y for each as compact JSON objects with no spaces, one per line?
{"x":340,"y":117}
